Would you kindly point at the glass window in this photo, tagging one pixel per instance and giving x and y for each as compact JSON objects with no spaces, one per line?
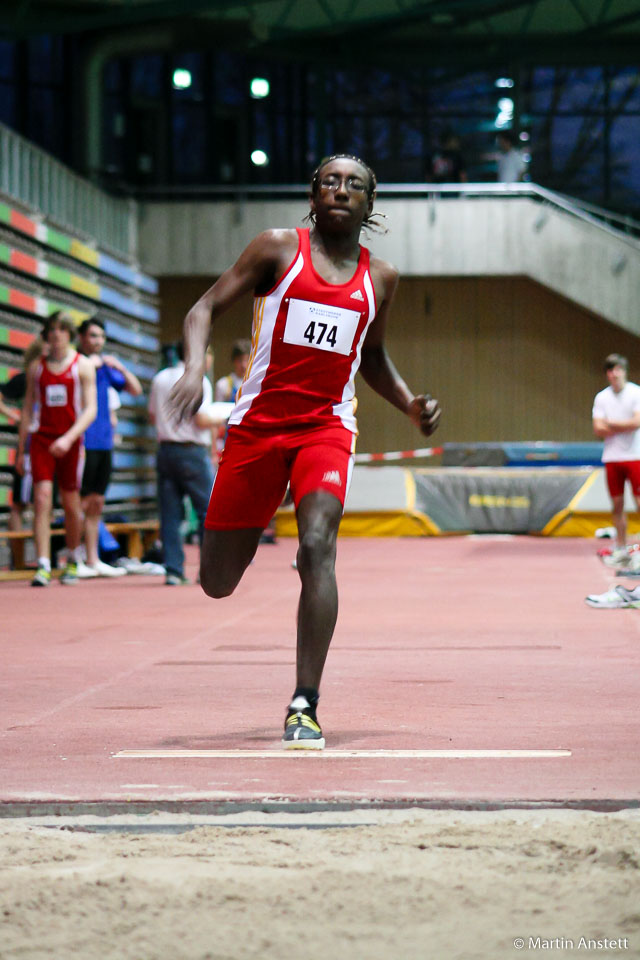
{"x":410,"y":139}
{"x":7,"y":59}
{"x":475,"y":92}
{"x":625,"y":168}
{"x":380,"y":139}
{"x":113,"y":76}
{"x":624,"y":90}
{"x":189,"y":143}
{"x":46,"y":124}
{"x":7,"y":104}
{"x":147,"y":76}
{"x":563,"y":90}
{"x":45,"y":59}
{"x":229,"y":80}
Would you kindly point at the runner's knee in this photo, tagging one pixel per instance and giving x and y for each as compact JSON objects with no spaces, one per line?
{"x":317,"y":549}
{"x":217,"y":584}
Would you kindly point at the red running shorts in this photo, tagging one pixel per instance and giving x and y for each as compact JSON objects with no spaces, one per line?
{"x":44,"y":466}
{"x":620,"y":471}
{"x":256,"y":467}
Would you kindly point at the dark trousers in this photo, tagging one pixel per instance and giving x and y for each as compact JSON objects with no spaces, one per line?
{"x":183,"y":469}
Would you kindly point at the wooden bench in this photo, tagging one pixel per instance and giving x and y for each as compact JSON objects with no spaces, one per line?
{"x":138,"y":535}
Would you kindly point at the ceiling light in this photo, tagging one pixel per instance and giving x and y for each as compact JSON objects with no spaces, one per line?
{"x":181,"y":79}
{"x":259,"y":88}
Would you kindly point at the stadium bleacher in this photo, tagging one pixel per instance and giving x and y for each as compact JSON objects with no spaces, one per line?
{"x":44,"y":269}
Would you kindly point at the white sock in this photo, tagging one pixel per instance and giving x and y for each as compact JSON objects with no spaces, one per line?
{"x":300,"y":703}
{"x":76,"y":554}
{"x":45,"y":563}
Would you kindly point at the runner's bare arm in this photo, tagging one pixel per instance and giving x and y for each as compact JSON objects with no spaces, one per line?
{"x":87,"y":374}
{"x":11,"y":413}
{"x":376,"y":365}
{"x":27,"y":414}
{"x":260,"y":264}
{"x":622,"y":426}
{"x":601,"y":428}
{"x":132,"y":384}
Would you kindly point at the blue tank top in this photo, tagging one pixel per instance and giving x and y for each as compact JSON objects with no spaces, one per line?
{"x":99,"y":435}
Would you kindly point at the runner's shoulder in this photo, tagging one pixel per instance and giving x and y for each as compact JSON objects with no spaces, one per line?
{"x":383,"y":273}
{"x":277,"y":239}
{"x":85,"y":365}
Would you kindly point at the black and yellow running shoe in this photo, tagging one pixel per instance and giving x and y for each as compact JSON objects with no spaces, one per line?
{"x":301,"y":728}
{"x":70,"y":573}
{"x":42,"y":577}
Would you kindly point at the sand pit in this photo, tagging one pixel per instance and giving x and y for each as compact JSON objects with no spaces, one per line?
{"x":392,"y":885}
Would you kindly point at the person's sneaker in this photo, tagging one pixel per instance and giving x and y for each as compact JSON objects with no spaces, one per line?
{"x":42,"y":577}
{"x":70,"y":573}
{"x":628,"y":571}
{"x":85,"y":572}
{"x":173,"y":580}
{"x":620,"y":557}
{"x":615,"y":598}
{"x":106,"y":570}
{"x":301,"y":728}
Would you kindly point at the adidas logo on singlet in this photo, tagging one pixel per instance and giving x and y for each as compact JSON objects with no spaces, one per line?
{"x":357,"y":295}
{"x":332,"y":476}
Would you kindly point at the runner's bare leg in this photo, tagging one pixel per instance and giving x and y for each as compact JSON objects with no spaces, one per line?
{"x":319,"y":514}
{"x":224,"y":557}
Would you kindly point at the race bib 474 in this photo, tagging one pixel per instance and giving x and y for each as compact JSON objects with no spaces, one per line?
{"x":320,"y":326}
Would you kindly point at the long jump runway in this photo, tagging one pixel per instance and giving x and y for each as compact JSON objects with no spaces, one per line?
{"x":464,"y":671}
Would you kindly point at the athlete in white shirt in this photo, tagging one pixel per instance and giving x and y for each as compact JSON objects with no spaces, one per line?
{"x":616,"y":420}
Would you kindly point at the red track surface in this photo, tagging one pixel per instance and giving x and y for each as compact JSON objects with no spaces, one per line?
{"x":456,"y":643}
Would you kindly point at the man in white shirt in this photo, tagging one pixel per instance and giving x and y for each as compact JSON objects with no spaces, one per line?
{"x":616,"y":420}
{"x":183,"y":464}
{"x":511,"y":163}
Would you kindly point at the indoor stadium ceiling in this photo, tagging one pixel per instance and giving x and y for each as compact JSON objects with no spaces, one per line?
{"x":435,"y":32}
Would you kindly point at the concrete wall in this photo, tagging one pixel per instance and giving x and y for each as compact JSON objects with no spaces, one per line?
{"x":466,"y":237}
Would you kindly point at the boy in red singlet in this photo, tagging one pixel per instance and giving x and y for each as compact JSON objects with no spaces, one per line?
{"x":320,"y":312}
{"x":61,"y":402}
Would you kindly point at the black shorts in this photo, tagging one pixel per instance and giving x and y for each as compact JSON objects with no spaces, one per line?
{"x":97,"y":472}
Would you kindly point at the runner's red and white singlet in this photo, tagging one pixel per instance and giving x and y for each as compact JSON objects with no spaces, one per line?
{"x":59,"y":399}
{"x":305,"y":348}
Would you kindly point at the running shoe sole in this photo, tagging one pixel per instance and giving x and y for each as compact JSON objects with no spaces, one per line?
{"x":306,"y":744}
{"x":302,"y":732}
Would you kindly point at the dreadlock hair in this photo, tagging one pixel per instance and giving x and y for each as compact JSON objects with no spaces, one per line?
{"x":369,"y":223}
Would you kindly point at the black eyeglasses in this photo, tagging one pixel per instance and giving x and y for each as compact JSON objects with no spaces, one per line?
{"x":352,"y":184}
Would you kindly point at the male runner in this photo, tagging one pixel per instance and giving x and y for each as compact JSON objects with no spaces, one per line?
{"x":320,"y":311}
{"x":98,"y":442}
{"x":61,"y":390}
{"x":616,"y":420}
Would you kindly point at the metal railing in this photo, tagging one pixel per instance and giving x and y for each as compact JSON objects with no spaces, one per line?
{"x":36,"y":180}
{"x":623,"y":227}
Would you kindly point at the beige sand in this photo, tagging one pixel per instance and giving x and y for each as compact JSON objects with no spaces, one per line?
{"x":413,"y":885}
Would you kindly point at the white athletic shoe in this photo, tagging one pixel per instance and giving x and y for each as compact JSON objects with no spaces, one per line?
{"x":85,"y":572}
{"x":615,"y":598}
{"x":106,"y":570}
{"x":620,"y":557}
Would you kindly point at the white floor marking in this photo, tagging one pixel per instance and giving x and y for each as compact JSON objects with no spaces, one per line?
{"x":340,"y":754}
